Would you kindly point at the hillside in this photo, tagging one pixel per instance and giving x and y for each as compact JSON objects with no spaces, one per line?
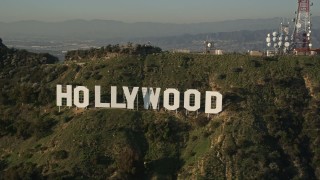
{"x":269,"y":127}
{"x":11,"y":57}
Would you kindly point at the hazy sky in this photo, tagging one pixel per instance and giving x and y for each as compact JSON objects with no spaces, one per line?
{"x":176,"y":11}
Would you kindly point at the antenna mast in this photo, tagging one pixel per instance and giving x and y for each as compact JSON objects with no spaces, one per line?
{"x":301,"y":36}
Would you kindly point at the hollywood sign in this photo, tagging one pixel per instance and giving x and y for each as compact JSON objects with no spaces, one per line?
{"x":79,"y":96}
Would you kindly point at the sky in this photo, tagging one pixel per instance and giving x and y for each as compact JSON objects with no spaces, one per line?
{"x":166,"y":11}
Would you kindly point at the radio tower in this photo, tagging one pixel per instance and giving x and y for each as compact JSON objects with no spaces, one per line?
{"x":301,"y":37}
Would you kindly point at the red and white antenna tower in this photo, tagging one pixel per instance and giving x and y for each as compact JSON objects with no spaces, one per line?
{"x":301,"y":37}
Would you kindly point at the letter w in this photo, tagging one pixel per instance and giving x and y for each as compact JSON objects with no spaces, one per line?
{"x":150,"y":97}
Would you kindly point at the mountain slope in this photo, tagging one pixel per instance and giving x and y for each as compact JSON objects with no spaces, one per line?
{"x":268,"y":128}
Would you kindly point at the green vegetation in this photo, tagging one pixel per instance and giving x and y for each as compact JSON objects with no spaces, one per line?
{"x":111,"y":51}
{"x":269,"y":127}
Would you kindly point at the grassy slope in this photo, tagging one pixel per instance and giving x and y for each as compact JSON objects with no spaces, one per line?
{"x":268,"y":127}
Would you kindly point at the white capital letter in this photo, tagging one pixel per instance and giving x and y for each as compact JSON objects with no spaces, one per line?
{"x":166,"y":103}
{"x":97,"y":95}
{"x":209,"y":96}
{"x":114,"y":103}
{"x":197,"y":100}
{"x":67,"y":95}
{"x":76,"y":95}
{"x":130,"y":97}
{"x":150,"y":96}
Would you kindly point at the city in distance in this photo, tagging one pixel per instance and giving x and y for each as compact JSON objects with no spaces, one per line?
{"x":57,"y":37}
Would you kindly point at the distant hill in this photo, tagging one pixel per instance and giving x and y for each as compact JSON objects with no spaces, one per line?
{"x":106,"y":29}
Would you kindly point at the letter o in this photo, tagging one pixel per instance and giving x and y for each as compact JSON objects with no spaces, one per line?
{"x":76,"y":95}
{"x":197,"y":99}
{"x":166,"y":95}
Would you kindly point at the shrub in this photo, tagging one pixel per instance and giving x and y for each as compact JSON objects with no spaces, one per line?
{"x":97,"y":76}
{"x":59,"y":155}
{"x":202,"y":121}
{"x":22,"y":171}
